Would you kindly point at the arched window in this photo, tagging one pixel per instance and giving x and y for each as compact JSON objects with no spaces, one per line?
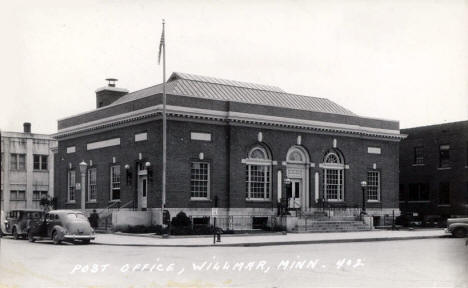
{"x":298,"y":155}
{"x":258,"y":174}
{"x":333,"y":178}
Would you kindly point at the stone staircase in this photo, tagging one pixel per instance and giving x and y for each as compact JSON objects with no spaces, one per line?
{"x":319,"y":222}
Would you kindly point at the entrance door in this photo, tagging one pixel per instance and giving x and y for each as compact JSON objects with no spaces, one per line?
{"x":294,"y":191}
{"x":142,"y":192}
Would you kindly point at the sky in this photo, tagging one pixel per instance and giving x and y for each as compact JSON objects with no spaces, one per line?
{"x":399,"y":60}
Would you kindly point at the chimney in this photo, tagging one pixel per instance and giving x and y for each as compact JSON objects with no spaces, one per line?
{"x":109,"y":94}
{"x":27,"y":127}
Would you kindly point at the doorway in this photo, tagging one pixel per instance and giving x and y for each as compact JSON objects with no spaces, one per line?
{"x":142,"y":192}
{"x":294,"y":192}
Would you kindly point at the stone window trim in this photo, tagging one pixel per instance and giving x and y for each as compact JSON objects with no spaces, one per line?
{"x":200,"y":181}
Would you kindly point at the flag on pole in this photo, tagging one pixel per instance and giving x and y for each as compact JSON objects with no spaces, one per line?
{"x":161,"y":44}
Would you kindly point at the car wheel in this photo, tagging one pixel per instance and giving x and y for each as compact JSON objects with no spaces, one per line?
{"x":459,"y":232}
{"x":86,"y":241}
{"x":55,"y":238}
{"x":15,"y":234}
{"x":31,"y":237}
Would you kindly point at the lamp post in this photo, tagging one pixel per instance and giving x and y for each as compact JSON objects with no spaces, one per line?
{"x":83,"y":167}
{"x":363,"y":187}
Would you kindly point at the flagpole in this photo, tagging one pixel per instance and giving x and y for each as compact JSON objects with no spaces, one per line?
{"x":163,"y":196}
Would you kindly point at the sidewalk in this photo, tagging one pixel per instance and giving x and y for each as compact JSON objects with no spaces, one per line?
{"x":264,"y":240}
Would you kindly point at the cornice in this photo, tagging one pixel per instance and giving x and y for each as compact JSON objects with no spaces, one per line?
{"x":230,"y":117}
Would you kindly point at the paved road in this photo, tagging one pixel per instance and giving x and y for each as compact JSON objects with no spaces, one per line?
{"x":405,"y":263}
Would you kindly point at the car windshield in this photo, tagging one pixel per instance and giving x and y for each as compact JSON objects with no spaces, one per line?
{"x":34,"y":215}
{"x":76,"y":217}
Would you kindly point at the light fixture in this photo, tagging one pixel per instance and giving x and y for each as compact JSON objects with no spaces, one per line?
{"x":363,"y":184}
{"x":83,"y":166}
{"x":127,"y":166}
{"x":147,"y":164}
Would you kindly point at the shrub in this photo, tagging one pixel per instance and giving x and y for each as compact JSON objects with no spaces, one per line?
{"x":181,"y":219}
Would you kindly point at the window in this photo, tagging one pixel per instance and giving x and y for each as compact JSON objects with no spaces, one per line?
{"x":40,"y":162}
{"x":444,"y":156}
{"x":115,"y":182}
{"x":333,"y":177}
{"x":71,"y":186}
{"x":444,"y":193}
{"x":38,"y":195}
{"x":18,"y":161}
{"x":17,"y":195}
{"x":373,"y":186}
{"x":200,"y":180}
{"x":418,"y":192}
{"x":418,"y":155}
{"x":92,"y":185}
{"x":258,"y":175}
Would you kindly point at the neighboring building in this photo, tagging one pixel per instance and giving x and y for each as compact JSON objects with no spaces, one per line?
{"x":239,"y":146}
{"x":27,"y":168}
{"x":434,"y":171}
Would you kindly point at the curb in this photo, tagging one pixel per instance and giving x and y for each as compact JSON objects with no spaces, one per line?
{"x":303,"y":242}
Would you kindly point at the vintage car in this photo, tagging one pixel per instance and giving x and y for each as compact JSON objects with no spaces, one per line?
{"x":458,"y":227}
{"x":62,"y":225}
{"x":16,"y":221}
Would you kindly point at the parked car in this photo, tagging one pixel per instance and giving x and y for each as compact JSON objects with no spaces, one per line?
{"x":17,"y":221}
{"x":458,"y":227}
{"x":62,"y":225}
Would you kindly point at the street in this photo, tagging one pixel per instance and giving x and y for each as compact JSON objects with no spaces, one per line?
{"x":403,"y":263}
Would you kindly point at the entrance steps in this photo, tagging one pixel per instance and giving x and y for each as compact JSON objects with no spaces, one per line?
{"x":322,"y":223}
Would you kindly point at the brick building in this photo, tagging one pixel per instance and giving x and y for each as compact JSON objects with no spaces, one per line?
{"x":27,"y":169}
{"x":239,"y":146}
{"x":434,"y":171}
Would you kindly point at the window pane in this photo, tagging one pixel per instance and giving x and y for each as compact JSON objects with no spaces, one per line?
{"x":444,"y":155}
{"x":14,"y":161}
{"x":37,"y":164}
{"x":373,"y":185}
{"x":44,"y":160}
{"x":115,"y":182}
{"x":21,"y":161}
{"x":418,"y":155}
{"x":199,"y":180}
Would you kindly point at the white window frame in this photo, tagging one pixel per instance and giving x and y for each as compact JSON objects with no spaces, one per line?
{"x":41,"y":161}
{"x":370,"y":184}
{"x":16,"y":156}
{"x":71,"y":186}
{"x":199,"y":180}
{"x":114,"y":182}
{"x":339,"y":167}
{"x":41,"y":193}
{"x":265,"y":162}
{"x":92,"y":185}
